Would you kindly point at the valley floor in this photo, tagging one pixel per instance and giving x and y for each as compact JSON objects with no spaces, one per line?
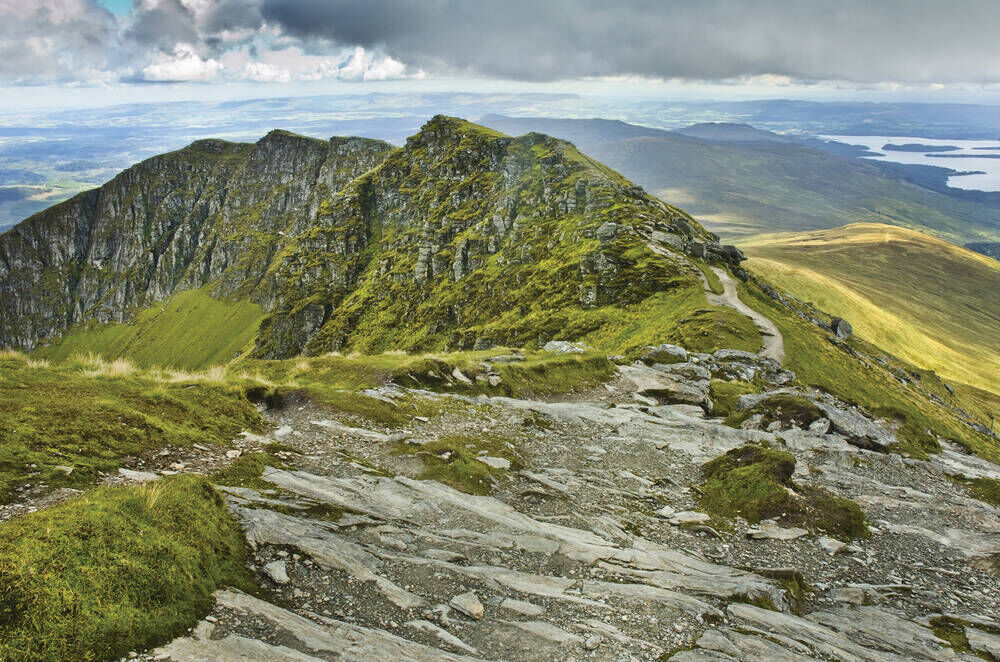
{"x":568,"y":528}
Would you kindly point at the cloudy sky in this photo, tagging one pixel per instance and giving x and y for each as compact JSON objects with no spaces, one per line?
{"x":142,"y":48}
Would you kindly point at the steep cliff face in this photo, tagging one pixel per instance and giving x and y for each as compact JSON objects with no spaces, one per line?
{"x":212,"y":212}
{"x":463,"y":236}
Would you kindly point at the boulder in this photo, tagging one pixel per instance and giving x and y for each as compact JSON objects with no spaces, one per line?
{"x":664,"y":353}
{"x":666,"y":386}
{"x":563,"y":347}
{"x":841,"y":328}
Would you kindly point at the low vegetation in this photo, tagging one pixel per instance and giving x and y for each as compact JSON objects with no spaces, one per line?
{"x":115,"y":570}
{"x":986,"y":489}
{"x":455,"y":460}
{"x":877,"y":388}
{"x":755,"y":483}
{"x":725,"y":395}
{"x":784,"y":409}
{"x":65,"y":424}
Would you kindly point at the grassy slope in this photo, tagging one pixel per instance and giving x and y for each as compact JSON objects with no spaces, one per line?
{"x":929,"y":302}
{"x":190,"y":330}
{"x":747,"y":188}
{"x":816,"y":362}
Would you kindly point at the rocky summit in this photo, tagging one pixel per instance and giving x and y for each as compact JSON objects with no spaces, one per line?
{"x":462,"y":237}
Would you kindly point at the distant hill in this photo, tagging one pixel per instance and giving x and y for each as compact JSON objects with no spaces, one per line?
{"x":929,"y":302}
{"x":726,"y":132}
{"x":739,"y":188}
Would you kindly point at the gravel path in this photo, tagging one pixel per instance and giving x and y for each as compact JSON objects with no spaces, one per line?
{"x":774,"y":344}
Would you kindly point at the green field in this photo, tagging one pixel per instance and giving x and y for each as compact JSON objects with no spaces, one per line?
{"x":188,"y":331}
{"x":932,"y":303}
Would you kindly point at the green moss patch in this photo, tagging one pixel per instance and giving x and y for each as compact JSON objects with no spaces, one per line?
{"x":453,"y":460}
{"x":246,"y":471}
{"x":115,"y":570}
{"x":985,"y":489}
{"x":952,"y":630}
{"x":725,"y":395}
{"x":755,"y":483}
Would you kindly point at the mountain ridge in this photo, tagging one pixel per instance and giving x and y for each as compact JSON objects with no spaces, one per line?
{"x":351,"y":243}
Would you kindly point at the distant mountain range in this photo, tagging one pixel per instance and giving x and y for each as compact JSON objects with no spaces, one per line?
{"x":738,"y":180}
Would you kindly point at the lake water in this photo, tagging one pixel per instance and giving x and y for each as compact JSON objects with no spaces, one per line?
{"x":987,"y":182}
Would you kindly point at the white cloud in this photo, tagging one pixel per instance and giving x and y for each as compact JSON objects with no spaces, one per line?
{"x":184,"y":64}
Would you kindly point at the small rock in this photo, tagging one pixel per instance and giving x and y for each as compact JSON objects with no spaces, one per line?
{"x":832,"y":546}
{"x":495,"y":462}
{"x":665,"y":353}
{"x":63,"y":468}
{"x":460,"y":376}
{"x":468,"y":604}
{"x":689,"y":517}
{"x":771,"y":531}
{"x":563,"y":347}
{"x":137,"y":476}
{"x":233,"y":454}
{"x":277,"y":571}
{"x":851,"y":595}
{"x":820,"y":426}
{"x":666,"y":512}
{"x":283,"y":431}
{"x":521,"y":607}
{"x":593,"y":641}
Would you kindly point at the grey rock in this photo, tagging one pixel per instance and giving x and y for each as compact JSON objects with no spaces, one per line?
{"x":468,"y":604}
{"x":831,"y":546}
{"x":495,"y":462}
{"x":983,"y":642}
{"x":769,"y":530}
{"x":841,"y":328}
{"x":277,"y":571}
{"x":563,"y":347}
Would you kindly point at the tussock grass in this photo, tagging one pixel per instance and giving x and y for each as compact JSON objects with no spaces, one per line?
{"x":88,"y":414}
{"x":115,"y":570}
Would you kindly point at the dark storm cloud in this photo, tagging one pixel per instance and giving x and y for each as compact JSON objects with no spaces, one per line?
{"x":164,"y":26}
{"x":854,"y":40}
{"x":859,"y":41}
